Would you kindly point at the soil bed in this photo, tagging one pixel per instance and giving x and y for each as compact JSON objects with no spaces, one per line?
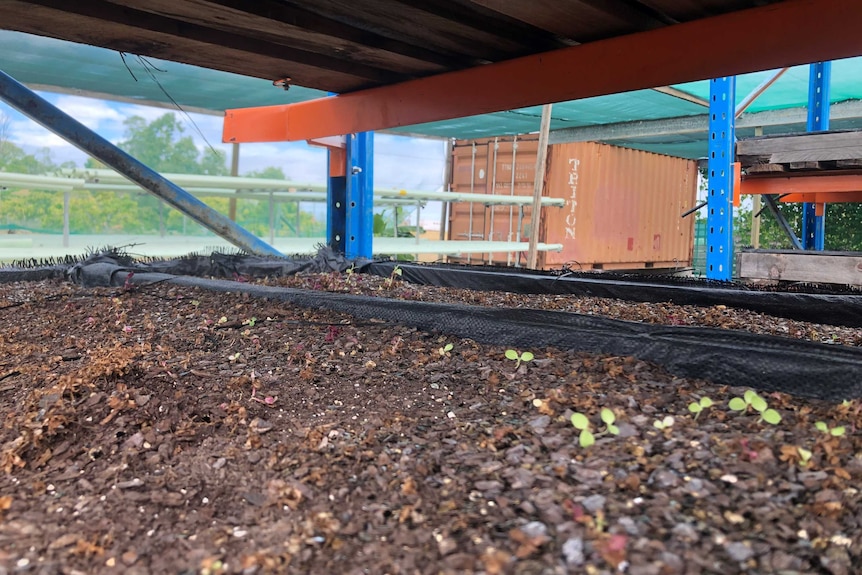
{"x":176,"y":430}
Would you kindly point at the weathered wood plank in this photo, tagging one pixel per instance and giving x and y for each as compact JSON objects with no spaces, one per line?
{"x":806,"y":165}
{"x":765,"y":168}
{"x":815,"y":147}
{"x":843,"y":269}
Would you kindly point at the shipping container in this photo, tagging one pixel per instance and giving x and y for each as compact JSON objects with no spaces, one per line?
{"x":623,"y":207}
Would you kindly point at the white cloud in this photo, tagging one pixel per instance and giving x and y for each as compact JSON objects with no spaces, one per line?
{"x":94,"y":114}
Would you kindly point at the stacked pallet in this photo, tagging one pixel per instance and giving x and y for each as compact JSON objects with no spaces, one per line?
{"x":817,"y":151}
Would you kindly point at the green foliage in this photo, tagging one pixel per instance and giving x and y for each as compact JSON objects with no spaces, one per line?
{"x":833,"y":431}
{"x":758,"y":404}
{"x":665,"y":423}
{"x":581,"y":423}
{"x":697,"y":407}
{"x":608,"y":418}
{"x":843,"y":227}
{"x":445,"y":349}
{"x":162,"y":145}
{"x":804,"y":456}
{"x":514,"y":356}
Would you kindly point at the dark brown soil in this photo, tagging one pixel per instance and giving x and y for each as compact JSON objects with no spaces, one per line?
{"x":174,"y":430}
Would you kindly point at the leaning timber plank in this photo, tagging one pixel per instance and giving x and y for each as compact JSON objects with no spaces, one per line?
{"x":820,"y":146}
{"x":802,"y":267}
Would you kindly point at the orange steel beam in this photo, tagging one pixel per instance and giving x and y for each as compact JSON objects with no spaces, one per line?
{"x":771,"y":36}
{"x":841,"y":183}
{"x":823,"y":197}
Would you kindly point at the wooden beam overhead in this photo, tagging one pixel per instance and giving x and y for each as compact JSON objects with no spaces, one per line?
{"x":751,"y":40}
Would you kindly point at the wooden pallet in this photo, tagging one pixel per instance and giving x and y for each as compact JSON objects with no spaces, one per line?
{"x":817,"y":151}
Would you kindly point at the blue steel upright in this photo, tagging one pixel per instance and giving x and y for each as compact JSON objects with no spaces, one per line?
{"x":350,"y":200}
{"x":814,"y":226}
{"x":722,"y":140}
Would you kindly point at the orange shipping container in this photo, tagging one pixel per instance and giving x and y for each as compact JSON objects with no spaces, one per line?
{"x":623,"y":207}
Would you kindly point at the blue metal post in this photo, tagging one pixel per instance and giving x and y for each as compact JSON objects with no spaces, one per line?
{"x":350,"y":200}
{"x":722,"y":139}
{"x":360,"y":195}
{"x":336,"y":199}
{"x":814,"y":226}
{"x":43,"y":112}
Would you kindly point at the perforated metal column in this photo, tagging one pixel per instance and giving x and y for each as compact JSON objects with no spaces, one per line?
{"x":722,"y":139}
{"x":350,"y":199}
{"x":359,"y":216}
{"x":814,"y":226}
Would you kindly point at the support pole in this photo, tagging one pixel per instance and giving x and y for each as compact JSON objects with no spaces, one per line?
{"x":813,"y":225}
{"x":350,"y":197}
{"x":234,"y":171}
{"x":722,"y":138}
{"x":539,"y":186}
{"x":41,"y":111}
{"x":756,"y":204}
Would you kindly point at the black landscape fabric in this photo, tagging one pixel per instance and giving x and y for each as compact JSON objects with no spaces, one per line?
{"x":728,"y":357}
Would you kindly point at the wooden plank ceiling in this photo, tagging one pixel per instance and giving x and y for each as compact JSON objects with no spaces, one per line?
{"x":346,"y":45}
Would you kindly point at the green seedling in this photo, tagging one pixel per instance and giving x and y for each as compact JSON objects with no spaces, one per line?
{"x":524,"y":357}
{"x":833,"y":431}
{"x":250,"y":322}
{"x":696,"y":407}
{"x":581,"y":423}
{"x":445,"y":349}
{"x":804,"y":456}
{"x":396,"y":272}
{"x":665,"y":423}
{"x":608,"y":418}
{"x":758,"y":404}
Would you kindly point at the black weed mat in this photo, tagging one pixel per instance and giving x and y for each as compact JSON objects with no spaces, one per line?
{"x":722,"y":356}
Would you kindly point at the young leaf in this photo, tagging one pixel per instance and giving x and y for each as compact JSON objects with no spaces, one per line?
{"x":705,"y":402}
{"x":613,"y":429}
{"x":804,"y":454}
{"x":448,"y":347}
{"x":821,"y":426}
{"x":580,"y":421}
{"x":527,"y":356}
{"x":608,"y":416}
{"x":758,"y":403}
{"x":695,"y":407}
{"x":668,"y":420}
{"x":749,"y":396}
{"x":658,"y":424}
{"x":737,"y":404}
{"x":771,"y":416}
{"x":837,"y":431}
{"x":512,"y":354}
{"x":586,"y":438}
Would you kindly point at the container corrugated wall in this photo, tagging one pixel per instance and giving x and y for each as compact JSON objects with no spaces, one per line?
{"x":622,"y":206}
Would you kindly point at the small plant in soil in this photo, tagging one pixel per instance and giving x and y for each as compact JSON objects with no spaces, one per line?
{"x":697,"y":407}
{"x":445,"y":349}
{"x":750,"y":399}
{"x":582,"y":423}
{"x":250,"y":321}
{"x":396,"y":272}
{"x":804,"y":456}
{"x":665,"y":423}
{"x":523,"y":357}
{"x":833,"y":431}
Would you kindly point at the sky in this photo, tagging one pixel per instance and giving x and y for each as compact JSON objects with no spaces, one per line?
{"x":399,"y":162}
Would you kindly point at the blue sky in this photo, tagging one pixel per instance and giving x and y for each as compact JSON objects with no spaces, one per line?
{"x":399,"y":162}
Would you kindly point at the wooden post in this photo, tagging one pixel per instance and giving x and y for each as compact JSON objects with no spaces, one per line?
{"x":539,"y":186}
{"x":234,"y":171}
{"x":755,"y":209}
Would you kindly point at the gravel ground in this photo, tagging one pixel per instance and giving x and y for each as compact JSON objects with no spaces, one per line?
{"x":176,"y":430}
